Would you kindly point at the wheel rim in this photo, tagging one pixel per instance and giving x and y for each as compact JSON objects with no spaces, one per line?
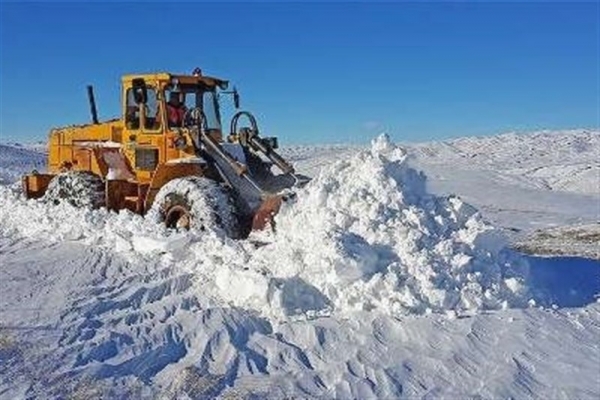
{"x":178,"y":217}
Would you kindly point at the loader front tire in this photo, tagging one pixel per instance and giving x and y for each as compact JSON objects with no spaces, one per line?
{"x":82,"y":189}
{"x":196,"y":204}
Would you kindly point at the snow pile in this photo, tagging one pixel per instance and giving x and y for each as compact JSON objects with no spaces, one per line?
{"x":365,"y":235}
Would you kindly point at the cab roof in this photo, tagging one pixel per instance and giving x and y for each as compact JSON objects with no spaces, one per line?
{"x":163,"y":78}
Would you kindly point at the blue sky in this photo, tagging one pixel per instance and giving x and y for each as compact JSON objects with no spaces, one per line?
{"x":312,"y":72}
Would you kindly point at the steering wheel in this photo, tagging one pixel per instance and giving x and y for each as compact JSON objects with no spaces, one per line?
{"x":194,"y":117}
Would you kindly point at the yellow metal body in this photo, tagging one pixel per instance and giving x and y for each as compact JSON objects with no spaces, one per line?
{"x":80,"y":147}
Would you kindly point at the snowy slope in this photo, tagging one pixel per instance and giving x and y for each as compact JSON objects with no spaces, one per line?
{"x":563,"y":160}
{"x":16,"y":160}
{"x":371,"y":288}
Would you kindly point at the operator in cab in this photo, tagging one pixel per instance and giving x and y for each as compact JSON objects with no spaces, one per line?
{"x":176,"y":110}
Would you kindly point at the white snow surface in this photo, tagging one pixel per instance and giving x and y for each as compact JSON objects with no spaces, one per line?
{"x":370,"y":287}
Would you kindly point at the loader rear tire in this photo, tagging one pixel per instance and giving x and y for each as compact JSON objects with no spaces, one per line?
{"x":79,"y":188}
{"x":196,"y":204}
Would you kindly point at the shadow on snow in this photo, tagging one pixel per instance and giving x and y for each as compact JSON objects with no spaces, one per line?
{"x":564,"y":281}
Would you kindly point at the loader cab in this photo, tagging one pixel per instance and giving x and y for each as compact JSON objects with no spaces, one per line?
{"x":149,"y":137}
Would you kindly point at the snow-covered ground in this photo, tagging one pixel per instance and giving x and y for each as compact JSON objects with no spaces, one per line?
{"x":380,"y":282}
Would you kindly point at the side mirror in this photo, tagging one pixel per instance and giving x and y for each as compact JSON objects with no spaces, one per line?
{"x":236,"y":98}
{"x":140,"y":92}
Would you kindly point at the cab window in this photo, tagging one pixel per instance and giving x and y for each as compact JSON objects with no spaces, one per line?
{"x":188,"y":97}
{"x":151,"y":111}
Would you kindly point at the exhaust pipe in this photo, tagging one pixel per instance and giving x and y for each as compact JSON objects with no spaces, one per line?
{"x":93,"y":110}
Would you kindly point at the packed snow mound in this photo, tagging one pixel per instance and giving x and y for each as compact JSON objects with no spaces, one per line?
{"x":365,"y":234}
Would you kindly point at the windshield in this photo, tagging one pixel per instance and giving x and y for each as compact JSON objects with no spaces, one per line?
{"x":183,"y":98}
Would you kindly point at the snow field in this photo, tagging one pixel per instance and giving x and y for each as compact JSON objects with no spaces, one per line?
{"x":371,"y":287}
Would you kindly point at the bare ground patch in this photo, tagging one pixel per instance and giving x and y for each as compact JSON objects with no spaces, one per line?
{"x":578,"y":240}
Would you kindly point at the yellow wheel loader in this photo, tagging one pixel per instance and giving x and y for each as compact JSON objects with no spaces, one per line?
{"x":167,"y":155}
